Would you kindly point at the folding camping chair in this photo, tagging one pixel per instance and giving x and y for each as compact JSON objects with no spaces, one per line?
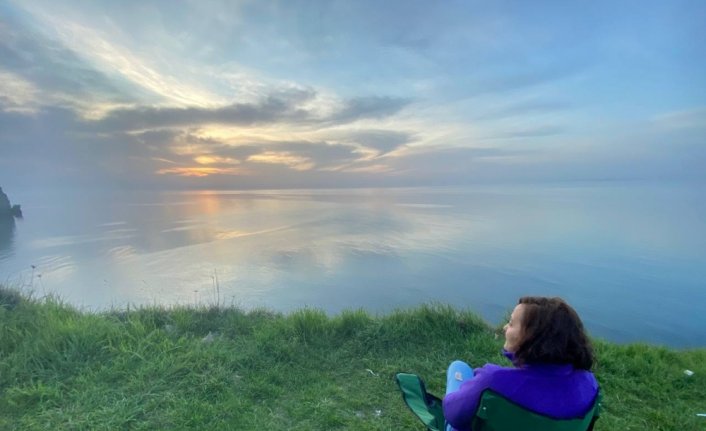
{"x":494,"y":413}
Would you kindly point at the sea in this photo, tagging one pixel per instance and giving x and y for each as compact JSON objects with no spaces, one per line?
{"x":630,"y":257}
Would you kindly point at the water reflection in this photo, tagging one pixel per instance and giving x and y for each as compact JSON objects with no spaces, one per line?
{"x":381,"y":249}
{"x":7,"y":236}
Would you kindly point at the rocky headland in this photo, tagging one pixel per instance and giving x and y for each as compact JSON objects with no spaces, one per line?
{"x":6,"y":209}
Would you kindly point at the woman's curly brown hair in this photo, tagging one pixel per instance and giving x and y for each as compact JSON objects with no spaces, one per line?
{"x":552,"y":333}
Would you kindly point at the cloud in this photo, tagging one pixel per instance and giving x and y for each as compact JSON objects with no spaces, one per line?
{"x":22,"y":131}
{"x":41,"y":149}
{"x":285,"y":94}
{"x":286,"y":158}
{"x":369,"y":107}
{"x":512,"y":76}
{"x":302,"y":156}
{"x":321,"y":153}
{"x":278,"y":107}
{"x":383,"y":141}
{"x":60,"y":37}
{"x":533,"y":132}
{"x":520,"y":109}
{"x":56,"y":73}
{"x":201,"y":171}
{"x":694,"y":118}
{"x":182,"y":153}
{"x":16,"y":93}
{"x":275,"y":108}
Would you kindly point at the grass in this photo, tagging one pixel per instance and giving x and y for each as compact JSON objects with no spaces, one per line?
{"x":227,"y":369}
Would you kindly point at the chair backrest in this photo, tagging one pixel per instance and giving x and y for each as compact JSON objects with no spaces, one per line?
{"x":427,"y":407}
{"x":497,"y":413}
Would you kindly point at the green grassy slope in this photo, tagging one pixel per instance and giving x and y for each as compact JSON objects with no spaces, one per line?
{"x":154,"y":368}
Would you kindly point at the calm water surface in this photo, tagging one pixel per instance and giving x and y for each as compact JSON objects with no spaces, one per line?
{"x":631,"y":258}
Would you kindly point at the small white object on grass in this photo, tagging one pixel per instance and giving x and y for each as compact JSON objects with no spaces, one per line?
{"x":703,"y":415}
{"x":688,"y":373}
{"x":371,"y":372}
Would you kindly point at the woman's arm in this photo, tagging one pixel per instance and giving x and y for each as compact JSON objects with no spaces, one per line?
{"x":461,"y":405}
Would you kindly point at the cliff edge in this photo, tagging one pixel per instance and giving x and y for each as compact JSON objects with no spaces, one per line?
{"x":6,"y":209}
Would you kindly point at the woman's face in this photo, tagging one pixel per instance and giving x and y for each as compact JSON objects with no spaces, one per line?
{"x":513,"y":329}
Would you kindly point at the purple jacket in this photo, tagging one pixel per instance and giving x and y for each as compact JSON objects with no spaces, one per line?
{"x":558,"y":391}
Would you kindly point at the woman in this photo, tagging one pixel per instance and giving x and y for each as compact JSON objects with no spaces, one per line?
{"x":552,"y":358}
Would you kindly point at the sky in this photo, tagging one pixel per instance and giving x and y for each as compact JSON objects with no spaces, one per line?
{"x":325,"y":94}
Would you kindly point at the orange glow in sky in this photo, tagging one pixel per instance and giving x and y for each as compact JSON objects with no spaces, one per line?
{"x":198,"y":171}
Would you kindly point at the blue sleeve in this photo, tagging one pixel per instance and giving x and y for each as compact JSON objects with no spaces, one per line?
{"x":460,"y":406}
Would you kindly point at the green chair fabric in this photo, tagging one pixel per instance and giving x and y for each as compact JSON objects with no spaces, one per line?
{"x":424,"y":405}
{"x":495,"y":412}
